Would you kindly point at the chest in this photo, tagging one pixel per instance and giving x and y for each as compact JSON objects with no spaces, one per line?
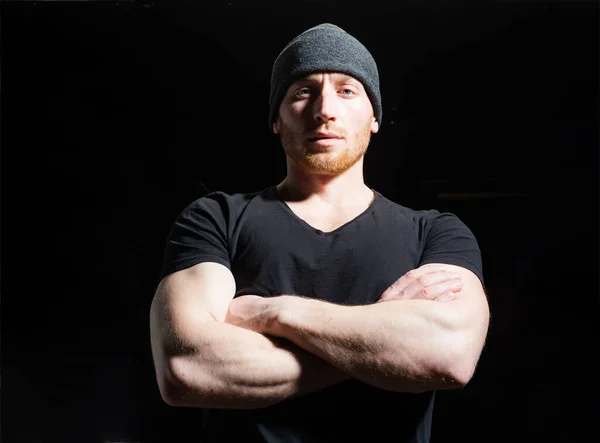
{"x":348,"y":262}
{"x":326,"y":219}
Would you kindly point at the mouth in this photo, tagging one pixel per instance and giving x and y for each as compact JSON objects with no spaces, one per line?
{"x":323,"y":142}
{"x":324,"y":138}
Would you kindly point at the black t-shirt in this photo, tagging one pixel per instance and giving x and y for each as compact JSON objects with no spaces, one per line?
{"x":271,"y":251}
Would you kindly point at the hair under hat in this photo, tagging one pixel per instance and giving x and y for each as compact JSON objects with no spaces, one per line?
{"x":324,"y":48}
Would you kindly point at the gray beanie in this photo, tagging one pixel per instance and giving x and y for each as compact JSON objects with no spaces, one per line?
{"x":324,"y":48}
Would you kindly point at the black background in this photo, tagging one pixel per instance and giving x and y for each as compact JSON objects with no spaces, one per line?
{"x":116,"y":115}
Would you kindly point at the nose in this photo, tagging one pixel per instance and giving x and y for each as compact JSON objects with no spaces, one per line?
{"x":324,"y":106}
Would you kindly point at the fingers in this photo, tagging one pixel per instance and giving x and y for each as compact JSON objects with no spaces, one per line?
{"x":429,"y":282}
{"x":437,"y":278}
{"x":402,"y":283}
{"x":442,"y":291}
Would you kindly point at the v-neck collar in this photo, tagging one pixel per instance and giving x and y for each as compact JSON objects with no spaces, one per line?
{"x":317,"y":231}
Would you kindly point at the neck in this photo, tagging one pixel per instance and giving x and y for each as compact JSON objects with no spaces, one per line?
{"x":341,"y":189}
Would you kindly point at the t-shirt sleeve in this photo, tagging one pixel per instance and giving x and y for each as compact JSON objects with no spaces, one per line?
{"x":449,"y":240}
{"x":199,"y":234}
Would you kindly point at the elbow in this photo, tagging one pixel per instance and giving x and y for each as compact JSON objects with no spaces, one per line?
{"x":169,"y":397}
{"x":181,"y":384}
{"x":458,"y":374}
{"x":170,"y":383}
{"x":460,"y":365}
{"x":444,"y":376}
{"x":167,"y":374}
{"x":170,"y":394}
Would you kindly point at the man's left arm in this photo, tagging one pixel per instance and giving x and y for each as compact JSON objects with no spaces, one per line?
{"x":404,"y":345}
{"x":400,"y":345}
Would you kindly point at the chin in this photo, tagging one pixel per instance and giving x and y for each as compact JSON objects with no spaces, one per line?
{"x":331,"y":159}
{"x":330,"y":164}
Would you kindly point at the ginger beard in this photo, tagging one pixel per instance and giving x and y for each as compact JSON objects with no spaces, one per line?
{"x":331,"y":160}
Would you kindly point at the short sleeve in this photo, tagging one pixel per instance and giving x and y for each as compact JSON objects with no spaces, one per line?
{"x":199,"y":234}
{"x":449,"y":240}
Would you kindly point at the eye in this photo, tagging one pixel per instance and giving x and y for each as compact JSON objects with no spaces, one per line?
{"x":348,"y":92}
{"x":301,"y":92}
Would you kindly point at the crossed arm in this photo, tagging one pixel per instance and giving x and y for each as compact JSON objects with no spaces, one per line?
{"x":251,"y":352}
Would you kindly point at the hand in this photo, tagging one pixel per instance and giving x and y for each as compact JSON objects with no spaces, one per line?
{"x":428,"y":282}
{"x":250,"y":312}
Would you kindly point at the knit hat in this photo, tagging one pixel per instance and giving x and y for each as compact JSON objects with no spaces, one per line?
{"x":324,"y":48}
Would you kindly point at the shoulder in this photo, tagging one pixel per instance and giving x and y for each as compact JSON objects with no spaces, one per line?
{"x":430,"y":225}
{"x":421,"y":219}
{"x":223,"y":204}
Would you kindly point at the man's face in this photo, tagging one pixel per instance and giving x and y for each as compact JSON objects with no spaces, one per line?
{"x":325,"y":123}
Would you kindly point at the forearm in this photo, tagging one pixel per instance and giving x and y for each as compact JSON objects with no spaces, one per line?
{"x":231,"y":367}
{"x":411,"y":346}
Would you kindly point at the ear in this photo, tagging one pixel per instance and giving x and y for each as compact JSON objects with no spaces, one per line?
{"x":374,"y":126}
{"x":276,"y":127}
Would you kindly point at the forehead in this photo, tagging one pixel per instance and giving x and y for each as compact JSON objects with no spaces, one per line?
{"x":337,"y":77}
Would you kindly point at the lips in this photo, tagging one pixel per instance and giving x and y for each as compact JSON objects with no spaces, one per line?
{"x":316,"y":139}
{"x":322,"y":136}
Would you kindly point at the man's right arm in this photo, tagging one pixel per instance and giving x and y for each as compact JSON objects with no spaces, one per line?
{"x":202,"y":361}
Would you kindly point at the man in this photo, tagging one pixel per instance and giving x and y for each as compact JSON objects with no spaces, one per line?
{"x":317,"y":310}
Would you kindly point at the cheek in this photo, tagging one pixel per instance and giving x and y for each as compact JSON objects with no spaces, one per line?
{"x":293,"y":123}
{"x":359,"y":115}
{"x":292,"y":110}
{"x":361,"y":125}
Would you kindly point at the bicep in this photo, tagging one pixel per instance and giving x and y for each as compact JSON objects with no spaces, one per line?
{"x":189,"y":297}
{"x":451,"y":242}
{"x":469,"y":310}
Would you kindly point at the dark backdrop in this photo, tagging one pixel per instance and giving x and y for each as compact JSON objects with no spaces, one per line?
{"x":115,"y":116}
